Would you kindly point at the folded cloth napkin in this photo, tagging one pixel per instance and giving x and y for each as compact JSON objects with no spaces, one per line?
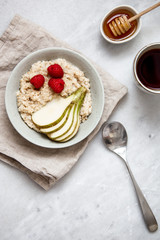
{"x":44,"y":166}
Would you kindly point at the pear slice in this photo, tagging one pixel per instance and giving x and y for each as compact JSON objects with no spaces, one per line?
{"x":54,"y":111}
{"x":73,"y":130}
{"x":76,"y":123}
{"x":59,"y":125}
{"x":62,"y":131}
{"x":73,"y":133}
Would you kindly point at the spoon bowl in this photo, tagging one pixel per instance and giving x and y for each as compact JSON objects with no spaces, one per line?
{"x":115,"y":139}
{"x":114,"y":136}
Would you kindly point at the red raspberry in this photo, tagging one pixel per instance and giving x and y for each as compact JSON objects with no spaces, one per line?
{"x":55,"y":71}
{"x":37,"y":81}
{"x":57,"y":84}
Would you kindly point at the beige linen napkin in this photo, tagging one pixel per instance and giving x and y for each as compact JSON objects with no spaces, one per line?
{"x":44,"y":166}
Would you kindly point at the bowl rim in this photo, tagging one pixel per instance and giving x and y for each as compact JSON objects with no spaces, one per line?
{"x":127,"y":39}
{"x":138,"y":55}
{"x":30,"y":56}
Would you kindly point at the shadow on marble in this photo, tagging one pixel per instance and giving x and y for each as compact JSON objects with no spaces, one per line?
{"x":118,"y":49}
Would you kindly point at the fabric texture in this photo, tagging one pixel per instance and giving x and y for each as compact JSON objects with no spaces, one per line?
{"x":44,"y":166}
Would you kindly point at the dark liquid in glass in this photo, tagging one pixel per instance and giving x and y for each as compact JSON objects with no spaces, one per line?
{"x":148,"y":69}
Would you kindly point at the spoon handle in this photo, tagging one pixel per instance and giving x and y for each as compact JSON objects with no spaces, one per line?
{"x":148,"y":215}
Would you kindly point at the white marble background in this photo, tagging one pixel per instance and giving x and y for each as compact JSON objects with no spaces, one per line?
{"x":96,"y":200}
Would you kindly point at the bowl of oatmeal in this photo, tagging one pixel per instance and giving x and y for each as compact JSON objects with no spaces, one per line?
{"x":22,"y":99}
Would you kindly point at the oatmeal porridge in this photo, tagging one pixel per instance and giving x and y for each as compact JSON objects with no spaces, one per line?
{"x":30,"y":100}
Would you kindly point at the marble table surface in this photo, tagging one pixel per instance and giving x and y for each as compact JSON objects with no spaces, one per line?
{"x":96,"y":200}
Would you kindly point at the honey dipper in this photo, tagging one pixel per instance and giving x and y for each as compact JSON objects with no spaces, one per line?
{"x":121,"y":24}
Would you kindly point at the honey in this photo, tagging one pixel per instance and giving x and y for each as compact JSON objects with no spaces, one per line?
{"x":111,"y":17}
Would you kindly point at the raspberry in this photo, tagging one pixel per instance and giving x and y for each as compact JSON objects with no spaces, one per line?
{"x":57,"y":84}
{"x":37,"y":81}
{"x":55,"y":71}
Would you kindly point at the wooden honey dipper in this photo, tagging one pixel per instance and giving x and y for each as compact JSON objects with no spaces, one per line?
{"x":120,"y":25}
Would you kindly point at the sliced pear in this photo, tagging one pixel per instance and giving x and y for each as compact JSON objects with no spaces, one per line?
{"x":62,"y":131}
{"x":54,"y":111}
{"x":76,"y":123}
{"x":73,"y":130}
{"x":73,"y":133}
{"x":59,"y":125}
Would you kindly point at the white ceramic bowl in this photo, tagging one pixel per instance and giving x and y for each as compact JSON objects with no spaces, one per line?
{"x":127,"y":7}
{"x":97,"y":92}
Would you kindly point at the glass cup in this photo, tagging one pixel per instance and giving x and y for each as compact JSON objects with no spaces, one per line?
{"x":146,"y":68}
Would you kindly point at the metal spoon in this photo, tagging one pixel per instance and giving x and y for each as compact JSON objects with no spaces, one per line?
{"x":115,"y":138}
